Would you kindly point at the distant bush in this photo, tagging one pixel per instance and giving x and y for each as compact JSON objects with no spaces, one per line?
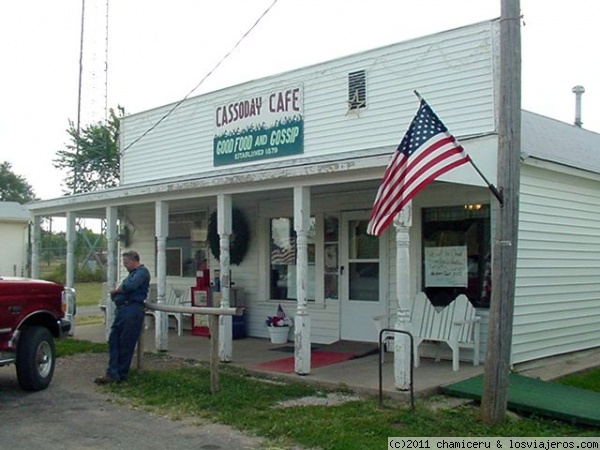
{"x":82,"y":275}
{"x":85,"y":275}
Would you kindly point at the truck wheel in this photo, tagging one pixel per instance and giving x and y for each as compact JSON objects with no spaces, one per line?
{"x":35,"y":359}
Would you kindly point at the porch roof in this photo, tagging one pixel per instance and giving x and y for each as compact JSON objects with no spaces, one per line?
{"x":318,"y":171}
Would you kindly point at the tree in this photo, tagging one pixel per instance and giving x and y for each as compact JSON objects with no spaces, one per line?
{"x":13,"y":187}
{"x":92,"y":157}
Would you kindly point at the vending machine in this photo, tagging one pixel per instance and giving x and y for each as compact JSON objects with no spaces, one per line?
{"x":201,"y":297}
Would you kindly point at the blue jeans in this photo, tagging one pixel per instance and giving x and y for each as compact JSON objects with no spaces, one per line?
{"x":124,"y":334}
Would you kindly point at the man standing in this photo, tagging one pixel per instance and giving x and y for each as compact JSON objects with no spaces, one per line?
{"x":129,"y":300}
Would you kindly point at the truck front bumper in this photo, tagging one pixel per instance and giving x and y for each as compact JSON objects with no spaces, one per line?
{"x":64,"y":327}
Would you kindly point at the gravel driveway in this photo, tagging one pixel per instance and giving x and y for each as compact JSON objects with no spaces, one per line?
{"x":74,"y":413}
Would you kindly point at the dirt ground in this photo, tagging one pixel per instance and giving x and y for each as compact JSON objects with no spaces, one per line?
{"x":75,"y":413}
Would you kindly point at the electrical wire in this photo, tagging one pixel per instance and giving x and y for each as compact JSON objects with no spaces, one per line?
{"x":178,"y":104}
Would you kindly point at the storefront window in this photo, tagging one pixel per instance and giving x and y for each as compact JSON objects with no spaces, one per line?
{"x":186,"y":244}
{"x":456,"y":254}
{"x":284,"y":260}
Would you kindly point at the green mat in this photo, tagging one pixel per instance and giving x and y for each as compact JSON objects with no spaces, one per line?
{"x":539,"y":397}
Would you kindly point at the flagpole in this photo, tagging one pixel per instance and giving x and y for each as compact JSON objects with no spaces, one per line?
{"x":490,"y":186}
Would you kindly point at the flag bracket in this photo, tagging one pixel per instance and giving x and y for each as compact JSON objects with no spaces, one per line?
{"x":497,"y":192}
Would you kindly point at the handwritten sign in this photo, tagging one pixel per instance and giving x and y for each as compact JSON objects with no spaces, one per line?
{"x":446,"y":267}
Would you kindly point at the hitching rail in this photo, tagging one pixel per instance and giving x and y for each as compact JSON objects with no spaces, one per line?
{"x":213,"y":326}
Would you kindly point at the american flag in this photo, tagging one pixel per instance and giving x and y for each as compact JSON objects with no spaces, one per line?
{"x":285,"y":254}
{"x":280,"y":312}
{"x":426,"y":151}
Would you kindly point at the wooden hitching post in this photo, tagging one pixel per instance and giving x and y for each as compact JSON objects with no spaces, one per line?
{"x":140,"y":348}
{"x":213,"y":326}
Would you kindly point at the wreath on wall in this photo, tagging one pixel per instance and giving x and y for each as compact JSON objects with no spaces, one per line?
{"x":240,"y":236}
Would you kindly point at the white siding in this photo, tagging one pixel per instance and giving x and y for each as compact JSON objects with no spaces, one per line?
{"x":454,"y":70}
{"x":557,"y":302}
{"x":140,"y":219}
{"x":13,"y":238}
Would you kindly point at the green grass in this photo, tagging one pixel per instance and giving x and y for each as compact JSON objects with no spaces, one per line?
{"x":88,"y":294}
{"x":88,"y":320}
{"x":249,"y":403}
{"x":70,"y":346}
{"x":589,"y":379}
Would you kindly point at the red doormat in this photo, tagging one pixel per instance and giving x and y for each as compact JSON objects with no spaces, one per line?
{"x":318,"y":359}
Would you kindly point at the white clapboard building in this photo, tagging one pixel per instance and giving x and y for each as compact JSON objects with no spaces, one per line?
{"x":296,"y":160}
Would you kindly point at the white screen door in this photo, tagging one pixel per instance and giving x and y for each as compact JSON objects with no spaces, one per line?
{"x":362,"y":287}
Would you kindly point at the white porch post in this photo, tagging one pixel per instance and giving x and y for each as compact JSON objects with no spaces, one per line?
{"x":112,"y":268}
{"x":302,"y":320}
{"x":224,"y":228}
{"x":162,"y":231}
{"x":71,"y":236}
{"x":402,"y":348}
{"x":35,"y":246}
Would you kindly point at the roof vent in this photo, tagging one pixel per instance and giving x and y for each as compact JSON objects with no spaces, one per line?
{"x":578,"y":90}
{"x":357,"y":90}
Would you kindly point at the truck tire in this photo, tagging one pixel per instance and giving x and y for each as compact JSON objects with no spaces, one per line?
{"x":35,"y":359}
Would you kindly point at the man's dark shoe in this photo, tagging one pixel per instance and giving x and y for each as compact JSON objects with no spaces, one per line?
{"x":105,"y":380}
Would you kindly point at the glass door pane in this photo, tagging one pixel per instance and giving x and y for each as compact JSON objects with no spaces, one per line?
{"x":363,"y":263}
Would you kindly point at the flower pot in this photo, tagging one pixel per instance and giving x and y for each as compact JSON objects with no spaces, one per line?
{"x":279,"y":335}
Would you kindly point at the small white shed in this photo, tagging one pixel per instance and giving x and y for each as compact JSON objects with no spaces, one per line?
{"x":14,"y":238}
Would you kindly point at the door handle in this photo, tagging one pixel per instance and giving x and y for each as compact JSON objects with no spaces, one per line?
{"x":341,"y":270}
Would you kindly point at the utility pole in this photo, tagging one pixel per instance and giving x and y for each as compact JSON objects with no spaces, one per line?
{"x":497,"y":364}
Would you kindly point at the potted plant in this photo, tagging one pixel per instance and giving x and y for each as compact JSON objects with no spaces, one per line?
{"x":279,"y":326}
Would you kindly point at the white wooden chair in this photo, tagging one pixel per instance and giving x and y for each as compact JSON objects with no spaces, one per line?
{"x":457,"y":325}
{"x":174,"y":297}
{"x":181,"y":298}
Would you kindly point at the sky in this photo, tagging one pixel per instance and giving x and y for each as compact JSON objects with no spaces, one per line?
{"x":159,"y":51}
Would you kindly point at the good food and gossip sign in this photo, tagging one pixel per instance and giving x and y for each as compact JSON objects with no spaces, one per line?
{"x":264,"y":126}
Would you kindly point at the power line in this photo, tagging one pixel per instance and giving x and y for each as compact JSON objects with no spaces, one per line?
{"x":178,"y":104}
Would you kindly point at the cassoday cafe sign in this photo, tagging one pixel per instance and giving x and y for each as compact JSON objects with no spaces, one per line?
{"x":265,"y":126}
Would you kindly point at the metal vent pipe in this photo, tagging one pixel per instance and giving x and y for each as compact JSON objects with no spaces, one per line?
{"x":578,"y":90}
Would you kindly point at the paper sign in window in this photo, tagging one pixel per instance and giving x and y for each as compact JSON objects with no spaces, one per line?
{"x":446,"y":266}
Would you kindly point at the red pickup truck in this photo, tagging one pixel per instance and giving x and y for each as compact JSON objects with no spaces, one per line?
{"x":32,"y":314}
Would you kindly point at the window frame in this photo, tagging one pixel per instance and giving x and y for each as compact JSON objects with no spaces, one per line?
{"x":192,"y":243}
{"x":478,"y":215}
{"x":283,"y":210}
{"x":290,"y":275}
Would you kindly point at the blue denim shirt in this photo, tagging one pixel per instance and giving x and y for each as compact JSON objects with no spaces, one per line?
{"x":134,"y":287}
